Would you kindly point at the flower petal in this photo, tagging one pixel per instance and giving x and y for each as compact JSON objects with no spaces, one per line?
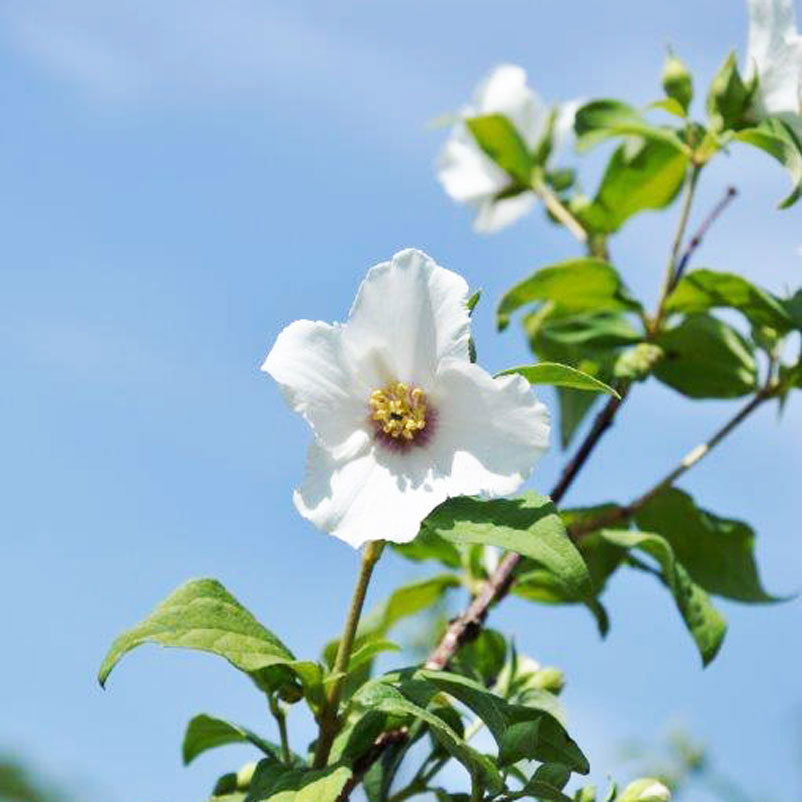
{"x":493,"y":215}
{"x":490,"y":432}
{"x":375,"y":496}
{"x":408,"y":315}
{"x":505,"y":91}
{"x":309,"y":363}
{"x":464,"y":170}
{"x":775,"y":51}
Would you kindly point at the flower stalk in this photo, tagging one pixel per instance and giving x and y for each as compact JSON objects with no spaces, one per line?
{"x":329,"y":719}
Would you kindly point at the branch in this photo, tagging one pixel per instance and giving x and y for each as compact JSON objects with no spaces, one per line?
{"x":467,"y":625}
{"x":697,"y":239}
{"x":693,"y":457}
{"x":364,"y":762}
{"x":559,"y":210}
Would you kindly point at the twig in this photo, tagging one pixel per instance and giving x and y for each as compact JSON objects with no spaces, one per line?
{"x":467,"y":625}
{"x":281,"y":720}
{"x":559,"y":210}
{"x":328,"y":718}
{"x":365,"y":761}
{"x":694,"y":456}
{"x":697,"y":239}
{"x":671,"y":269}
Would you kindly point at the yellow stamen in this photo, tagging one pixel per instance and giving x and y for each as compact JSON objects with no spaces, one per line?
{"x":399,"y":410}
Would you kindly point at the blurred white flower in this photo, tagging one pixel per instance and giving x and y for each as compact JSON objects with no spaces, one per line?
{"x":402,"y":419}
{"x":775,"y":56}
{"x":469,"y":176}
{"x":645,"y":790}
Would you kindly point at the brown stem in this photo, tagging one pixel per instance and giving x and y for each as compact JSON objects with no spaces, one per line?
{"x":619,"y":514}
{"x":467,"y":625}
{"x":559,"y":210}
{"x":697,"y":239}
{"x":365,"y":761}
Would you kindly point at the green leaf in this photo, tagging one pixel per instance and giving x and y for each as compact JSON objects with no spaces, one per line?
{"x":528,"y":525}
{"x":207,"y":732}
{"x":204,"y":616}
{"x":534,"y":731}
{"x":383,"y":697}
{"x":275,"y":782}
{"x":702,"y":620}
{"x":640,"y":176}
{"x":578,"y":285}
{"x":428,"y":546}
{"x":677,"y":82}
{"x":560,"y":375}
{"x":602,"y":119}
{"x":705,"y":358}
{"x":368,"y":650}
{"x":406,"y":601}
{"x":499,"y":139}
{"x":586,"y":341}
{"x":776,"y":138}
{"x":719,"y":553}
{"x":574,"y":407}
{"x":671,"y":106}
{"x":793,"y":306}
{"x":483,"y":658}
{"x":729,"y":98}
{"x":702,"y":290}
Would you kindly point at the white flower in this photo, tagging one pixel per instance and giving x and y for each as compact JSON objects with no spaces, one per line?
{"x":775,"y":56}
{"x":645,"y":790}
{"x":402,"y":419}
{"x":468,"y":175}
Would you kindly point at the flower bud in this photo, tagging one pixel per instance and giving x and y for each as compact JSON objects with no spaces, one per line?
{"x":638,"y":362}
{"x":244,"y":776}
{"x":291,"y":692}
{"x":677,"y":81}
{"x":645,"y":790}
{"x":549,"y":679}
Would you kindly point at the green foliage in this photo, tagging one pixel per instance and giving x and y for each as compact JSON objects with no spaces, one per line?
{"x":703,"y":621}
{"x":578,"y":285}
{"x":589,"y":341}
{"x":718,"y":553}
{"x":703,"y":290}
{"x":18,"y":784}
{"x":483,"y":658}
{"x":404,"y":602}
{"x":204,"y":616}
{"x":207,"y":732}
{"x":531,"y":732}
{"x":706,"y":358}
{"x":558,"y":375}
{"x":278,"y":783}
{"x":603,"y":119}
{"x":528,"y":525}
{"x":401,"y":701}
{"x":429,"y":546}
{"x":775,"y":137}
{"x":677,"y":82}
{"x":729,"y":99}
{"x":497,"y":137}
{"x":641,"y":175}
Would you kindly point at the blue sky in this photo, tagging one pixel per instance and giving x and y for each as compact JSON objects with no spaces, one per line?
{"x":182,"y":179}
